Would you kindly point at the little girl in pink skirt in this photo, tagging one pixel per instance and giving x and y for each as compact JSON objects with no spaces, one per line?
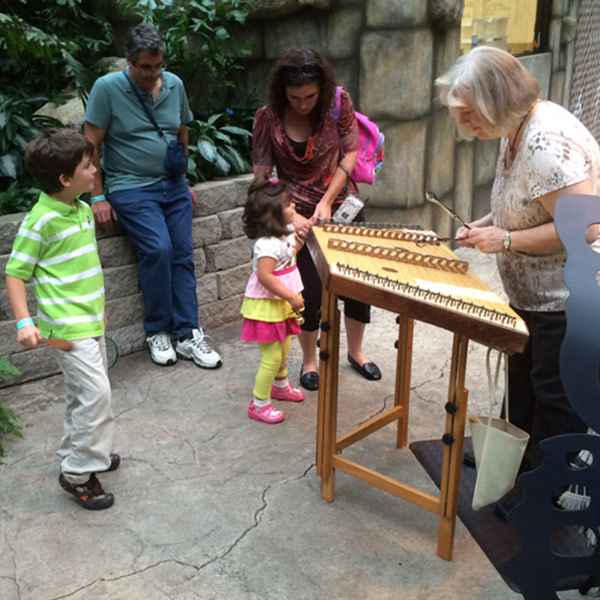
{"x":272,"y":300}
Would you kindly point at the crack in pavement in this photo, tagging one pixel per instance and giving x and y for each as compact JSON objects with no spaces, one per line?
{"x":13,"y":557}
{"x":379,"y":411}
{"x":257,"y":520}
{"x":16,"y":462}
{"x":441,"y":374}
{"x":125,"y":576}
{"x":197,"y":568}
{"x":145,"y":397}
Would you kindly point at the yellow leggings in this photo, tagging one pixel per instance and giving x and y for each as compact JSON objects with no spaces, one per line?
{"x":273,"y":365}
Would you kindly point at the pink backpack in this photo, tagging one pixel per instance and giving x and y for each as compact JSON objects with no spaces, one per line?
{"x":369,"y":161}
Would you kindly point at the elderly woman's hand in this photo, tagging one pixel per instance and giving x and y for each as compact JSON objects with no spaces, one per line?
{"x":462,"y":236}
{"x":301,"y":225}
{"x":489,"y":240}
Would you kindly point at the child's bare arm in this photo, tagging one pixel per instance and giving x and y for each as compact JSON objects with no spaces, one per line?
{"x":17,"y":296}
{"x":298,"y":243}
{"x":266,"y":265}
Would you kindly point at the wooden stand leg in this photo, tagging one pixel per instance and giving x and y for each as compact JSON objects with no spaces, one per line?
{"x":454,"y":433}
{"x":403,"y":376}
{"x":329,"y":361}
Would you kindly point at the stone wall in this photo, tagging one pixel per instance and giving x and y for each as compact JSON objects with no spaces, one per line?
{"x":222,"y":258}
{"x":388,"y":53}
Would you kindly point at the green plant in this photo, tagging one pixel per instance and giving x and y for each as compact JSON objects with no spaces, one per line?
{"x":198,"y":36}
{"x":217,"y":150}
{"x":18,"y":197}
{"x":18,"y":125}
{"x":9,"y":422}
{"x":55,"y":42}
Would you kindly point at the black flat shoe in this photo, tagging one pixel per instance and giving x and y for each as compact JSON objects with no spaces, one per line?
{"x":309,"y":380}
{"x":369,"y":370}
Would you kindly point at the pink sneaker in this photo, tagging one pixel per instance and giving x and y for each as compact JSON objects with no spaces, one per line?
{"x":267,"y":414}
{"x":288,"y":393}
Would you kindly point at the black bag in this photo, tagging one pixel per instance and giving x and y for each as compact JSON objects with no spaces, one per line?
{"x":176,"y":158}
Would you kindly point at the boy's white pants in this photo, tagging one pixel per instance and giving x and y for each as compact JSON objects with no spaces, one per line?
{"x":89,"y":422}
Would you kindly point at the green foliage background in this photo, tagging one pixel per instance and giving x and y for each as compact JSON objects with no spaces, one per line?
{"x":47,"y":46}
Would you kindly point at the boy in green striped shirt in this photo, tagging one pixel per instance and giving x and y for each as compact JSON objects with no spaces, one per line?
{"x":55,"y":248}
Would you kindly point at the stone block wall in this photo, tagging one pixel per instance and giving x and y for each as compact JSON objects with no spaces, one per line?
{"x":222,"y":258}
{"x":387,"y":53}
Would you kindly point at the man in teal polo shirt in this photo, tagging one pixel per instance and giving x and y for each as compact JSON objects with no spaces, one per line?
{"x":131,"y":118}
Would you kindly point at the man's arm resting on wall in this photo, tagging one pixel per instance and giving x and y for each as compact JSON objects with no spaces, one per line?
{"x":103,"y":211}
{"x":184,"y":137}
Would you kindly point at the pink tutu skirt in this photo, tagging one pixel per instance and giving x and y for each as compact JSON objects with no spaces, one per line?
{"x":261,"y":332}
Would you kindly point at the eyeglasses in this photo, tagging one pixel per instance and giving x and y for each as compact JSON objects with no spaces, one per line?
{"x":148,"y":69}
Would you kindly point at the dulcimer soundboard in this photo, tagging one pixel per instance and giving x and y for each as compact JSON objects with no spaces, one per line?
{"x":412,"y":272}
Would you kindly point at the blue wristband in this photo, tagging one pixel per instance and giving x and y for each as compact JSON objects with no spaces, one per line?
{"x":98,"y":198}
{"x":24,"y":322}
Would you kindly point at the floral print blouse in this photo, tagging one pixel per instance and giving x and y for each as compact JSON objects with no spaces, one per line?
{"x":308,"y":176}
{"x":556,"y":151}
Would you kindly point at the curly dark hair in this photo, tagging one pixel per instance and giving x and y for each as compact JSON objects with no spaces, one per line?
{"x":301,"y":66}
{"x":263,"y":213}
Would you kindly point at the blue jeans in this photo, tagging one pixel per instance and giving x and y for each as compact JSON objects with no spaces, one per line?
{"x":158,"y":220}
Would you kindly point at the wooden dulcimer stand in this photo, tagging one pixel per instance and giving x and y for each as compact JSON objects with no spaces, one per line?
{"x":411,"y":274}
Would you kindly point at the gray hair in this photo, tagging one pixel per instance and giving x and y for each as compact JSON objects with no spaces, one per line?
{"x":492,"y":82}
{"x":143,"y":37}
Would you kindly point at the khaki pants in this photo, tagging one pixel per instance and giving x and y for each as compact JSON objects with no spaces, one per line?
{"x":89,"y":422}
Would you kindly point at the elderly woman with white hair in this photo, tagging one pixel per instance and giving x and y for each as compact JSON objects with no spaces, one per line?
{"x":545,"y":153}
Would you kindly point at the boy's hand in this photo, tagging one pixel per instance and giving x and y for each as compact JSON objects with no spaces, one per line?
{"x":297,"y":302}
{"x":29,"y":336}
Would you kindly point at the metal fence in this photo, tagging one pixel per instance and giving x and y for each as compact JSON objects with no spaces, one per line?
{"x":585,"y":87}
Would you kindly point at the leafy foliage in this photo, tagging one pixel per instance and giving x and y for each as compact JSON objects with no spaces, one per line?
{"x":217,"y":149}
{"x":57,"y":43}
{"x":9,"y":422}
{"x":18,"y":197}
{"x":54,"y":41}
{"x":198,"y":37}
{"x":19,"y":125}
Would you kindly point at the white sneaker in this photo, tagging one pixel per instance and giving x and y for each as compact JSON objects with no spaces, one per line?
{"x":161,"y":349}
{"x":197,"y":349}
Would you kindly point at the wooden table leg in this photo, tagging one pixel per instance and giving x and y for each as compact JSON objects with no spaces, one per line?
{"x":329,"y":361}
{"x":454,"y":433}
{"x":403,"y":375}
{"x":323,"y":376}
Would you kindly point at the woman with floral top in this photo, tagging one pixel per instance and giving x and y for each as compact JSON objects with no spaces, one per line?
{"x":314,"y":153}
{"x":545,"y":153}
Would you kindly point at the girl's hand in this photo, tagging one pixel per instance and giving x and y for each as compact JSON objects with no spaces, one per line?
{"x":29,"y":336}
{"x":322,"y":212}
{"x":301,"y":225}
{"x":297,"y":302}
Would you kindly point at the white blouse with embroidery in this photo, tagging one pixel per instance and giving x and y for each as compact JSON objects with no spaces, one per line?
{"x":556,"y":151}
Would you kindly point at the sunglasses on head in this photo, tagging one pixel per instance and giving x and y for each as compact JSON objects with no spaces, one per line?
{"x":310,"y":69}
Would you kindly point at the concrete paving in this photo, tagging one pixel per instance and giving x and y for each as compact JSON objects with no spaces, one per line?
{"x":211,"y":505}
